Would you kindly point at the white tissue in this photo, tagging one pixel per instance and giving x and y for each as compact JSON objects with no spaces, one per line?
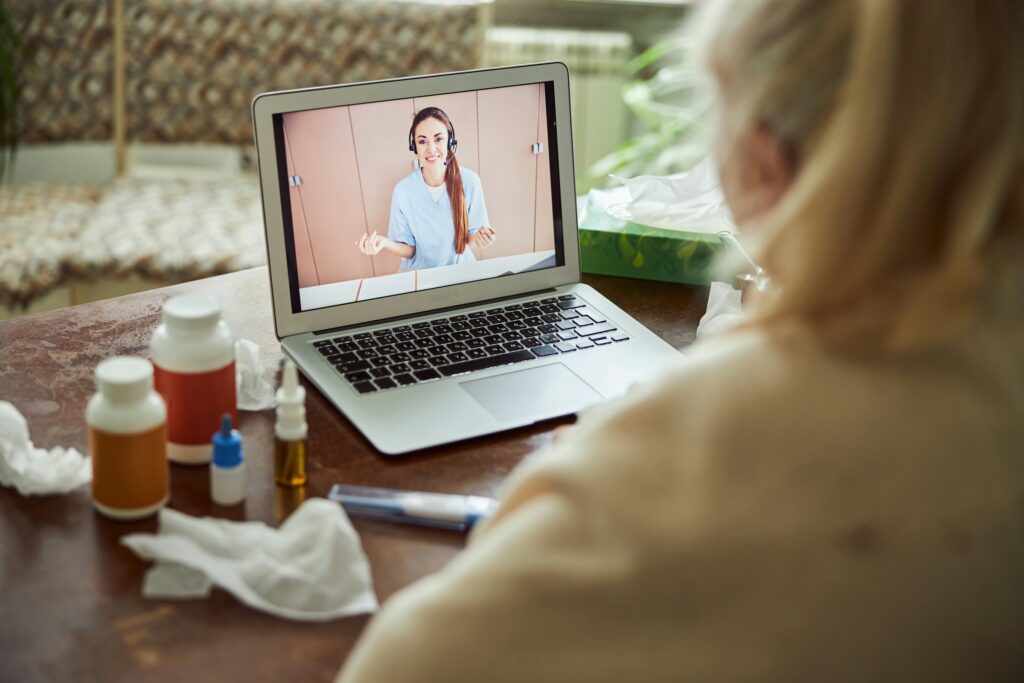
{"x":36,"y":471}
{"x":690,"y":201}
{"x":252,"y":379}
{"x":725,"y":310}
{"x":311,"y":569}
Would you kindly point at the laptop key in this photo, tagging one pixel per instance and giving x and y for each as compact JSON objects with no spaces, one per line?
{"x":323,"y":342}
{"x":477,"y":314}
{"x":568,"y":315}
{"x":484,"y":363}
{"x":584,"y":344}
{"x":405,"y":379}
{"x":567,"y":297}
{"x":476,"y":353}
{"x":494,"y":350}
{"x":565,"y":325}
{"x":427,"y":375}
{"x":438,"y":361}
{"x":364,"y":387}
{"x":547,"y":329}
{"x":437,"y":350}
{"x":327,"y":350}
{"x":569,"y":305}
{"x":399,"y":368}
{"x":550,"y":338}
{"x":566,"y":335}
{"x":512,"y":346}
{"x":400,"y":357}
{"x":377,"y":373}
{"x":361,"y":335}
{"x":551,"y":317}
{"x":366,"y":354}
{"x":565,"y":347}
{"x":531,"y":342}
{"x":419,"y":364}
{"x":476,"y":343}
{"x":544,"y":350}
{"x":379,"y":361}
{"x":601,"y":341}
{"x":419,"y":354}
{"x":361,"y":376}
{"x":354,"y":366}
{"x":457,"y":357}
{"x":620,"y":336}
{"x":386,"y":350}
{"x":420,"y":326}
{"x":593,"y":314}
{"x":590,"y":330}
{"x":385,"y":383}
{"x":348,"y":346}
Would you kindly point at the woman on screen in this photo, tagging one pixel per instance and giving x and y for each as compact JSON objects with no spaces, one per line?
{"x":438,"y":210}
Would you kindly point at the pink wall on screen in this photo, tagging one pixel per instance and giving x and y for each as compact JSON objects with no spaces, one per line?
{"x":508,"y":167}
{"x":304,"y":262}
{"x":544,"y":229}
{"x":324,"y":157}
{"x":381,"y":131}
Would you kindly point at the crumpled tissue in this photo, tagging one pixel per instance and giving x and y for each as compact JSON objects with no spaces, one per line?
{"x":36,"y":471}
{"x":725,"y":310}
{"x":253,"y":381}
{"x":691,"y":201}
{"x":311,"y":569}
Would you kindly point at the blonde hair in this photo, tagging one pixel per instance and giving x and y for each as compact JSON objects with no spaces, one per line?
{"x":907,"y":118}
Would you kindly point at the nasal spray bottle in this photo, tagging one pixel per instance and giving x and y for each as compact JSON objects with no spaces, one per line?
{"x":227,"y":467}
{"x":290,"y":430}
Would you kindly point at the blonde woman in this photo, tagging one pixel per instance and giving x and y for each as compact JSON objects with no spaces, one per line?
{"x":834,"y":491}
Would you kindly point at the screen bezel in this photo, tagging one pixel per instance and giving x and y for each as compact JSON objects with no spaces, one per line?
{"x":264,"y":106}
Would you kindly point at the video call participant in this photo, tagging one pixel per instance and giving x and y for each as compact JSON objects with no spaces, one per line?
{"x":438,"y":210}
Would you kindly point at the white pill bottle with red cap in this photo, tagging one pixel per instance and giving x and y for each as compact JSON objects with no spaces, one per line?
{"x":193,"y":356}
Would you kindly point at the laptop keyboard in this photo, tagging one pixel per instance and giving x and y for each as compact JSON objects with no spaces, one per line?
{"x":445,"y":347}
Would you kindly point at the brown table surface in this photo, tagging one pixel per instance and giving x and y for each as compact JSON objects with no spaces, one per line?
{"x":70,"y":594}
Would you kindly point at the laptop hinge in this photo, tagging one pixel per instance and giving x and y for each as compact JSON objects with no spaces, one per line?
{"x":342,"y":328}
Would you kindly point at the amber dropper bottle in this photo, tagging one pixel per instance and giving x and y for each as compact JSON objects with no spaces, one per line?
{"x":290,"y":430}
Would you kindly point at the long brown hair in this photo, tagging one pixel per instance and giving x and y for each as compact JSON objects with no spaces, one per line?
{"x":452,"y":175}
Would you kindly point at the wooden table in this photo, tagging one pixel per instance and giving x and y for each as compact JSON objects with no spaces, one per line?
{"x":70,"y":594}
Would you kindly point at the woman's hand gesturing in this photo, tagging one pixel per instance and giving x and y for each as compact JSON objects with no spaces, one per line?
{"x":484,"y":237}
{"x":371,"y":245}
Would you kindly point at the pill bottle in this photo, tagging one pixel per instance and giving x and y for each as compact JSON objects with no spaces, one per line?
{"x":194,"y":362}
{"x":127,"y":440}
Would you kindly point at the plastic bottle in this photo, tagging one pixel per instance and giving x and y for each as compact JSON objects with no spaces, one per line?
{"x":227,"y":470}
{"x":127,"y":440}
{"x":290,"y":430}
{"x":194,"y":358}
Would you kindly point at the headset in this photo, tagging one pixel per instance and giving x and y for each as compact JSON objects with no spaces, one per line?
{"x":452,"y":142}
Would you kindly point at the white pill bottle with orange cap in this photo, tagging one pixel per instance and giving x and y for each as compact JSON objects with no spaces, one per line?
{"x":193,"y":356}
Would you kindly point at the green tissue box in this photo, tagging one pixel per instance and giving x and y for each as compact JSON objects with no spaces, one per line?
{"x":613,"y":246}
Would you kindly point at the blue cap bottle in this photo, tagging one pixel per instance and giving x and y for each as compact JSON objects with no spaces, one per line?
{"x":227,"y":467}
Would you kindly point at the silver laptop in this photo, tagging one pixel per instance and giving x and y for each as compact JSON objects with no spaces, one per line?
{"x":423,"y":255}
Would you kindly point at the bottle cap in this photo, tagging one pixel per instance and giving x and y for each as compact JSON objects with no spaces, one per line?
{"x":191,"y":313}
{"x":291,"y":409}
{"x":124,"y":378}
{"x":227,"y":445}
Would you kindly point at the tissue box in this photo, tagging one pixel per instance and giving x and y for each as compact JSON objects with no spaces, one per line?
{"x":613,"y":246}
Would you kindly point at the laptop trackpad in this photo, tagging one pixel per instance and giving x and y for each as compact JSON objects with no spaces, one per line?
{"x":547,"y":391}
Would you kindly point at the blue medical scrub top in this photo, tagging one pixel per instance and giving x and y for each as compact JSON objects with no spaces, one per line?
{"x":417,"y":220}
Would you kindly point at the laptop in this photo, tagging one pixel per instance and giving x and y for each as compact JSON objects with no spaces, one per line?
{"x":429,"y":310}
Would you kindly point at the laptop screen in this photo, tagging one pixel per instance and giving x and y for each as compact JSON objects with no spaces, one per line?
{"x":387,"y":198}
